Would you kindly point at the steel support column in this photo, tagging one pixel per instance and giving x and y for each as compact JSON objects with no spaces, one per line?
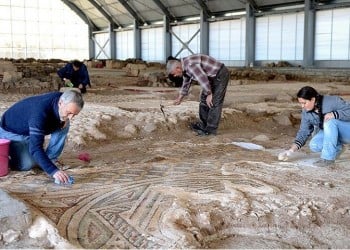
{"x":204,"y":35}
{"x":167,"y":37}
{"x":112,"y":41}
{"x":137,"y":41}
{"x":91,"y":44}
{"x":250,"y":36}
{"x":309,"y":33}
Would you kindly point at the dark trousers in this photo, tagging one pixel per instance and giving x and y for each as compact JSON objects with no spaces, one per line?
{"x":82,"y":90}
{"x":210,"y":117}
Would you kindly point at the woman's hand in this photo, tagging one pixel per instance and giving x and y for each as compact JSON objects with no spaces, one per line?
{"x":328,"y":116}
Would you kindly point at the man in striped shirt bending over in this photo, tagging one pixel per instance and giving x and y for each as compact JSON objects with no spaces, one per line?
{"x":213,"y":77}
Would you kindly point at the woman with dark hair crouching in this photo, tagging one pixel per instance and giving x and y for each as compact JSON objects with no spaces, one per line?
{"x":327,"y":119}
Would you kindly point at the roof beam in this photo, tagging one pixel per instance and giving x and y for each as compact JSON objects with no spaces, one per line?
{"x":99,"y":7}
{"x":204,"y":7}
{"x":272,"y":6}
{"x":253,"y":4}
{"x":81,"y":14}
{"x":332,"y":5}
{"x":164,"y":9}
{"x":139,"y":21}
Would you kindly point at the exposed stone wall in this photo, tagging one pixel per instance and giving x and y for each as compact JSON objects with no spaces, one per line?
{"x":36,"y":76}
{"x":29,"y":76}
{"x":290,"y":74}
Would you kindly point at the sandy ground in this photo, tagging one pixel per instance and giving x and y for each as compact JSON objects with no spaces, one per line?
{"x":153,"y":183}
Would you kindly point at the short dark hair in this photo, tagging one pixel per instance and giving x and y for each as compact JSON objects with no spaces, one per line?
{"x":77,"y":63}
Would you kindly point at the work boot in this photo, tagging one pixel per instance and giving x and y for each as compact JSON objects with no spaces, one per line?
{"x":323,"y":163}
{"x":197,"y":126}
{"x":205,"y":133}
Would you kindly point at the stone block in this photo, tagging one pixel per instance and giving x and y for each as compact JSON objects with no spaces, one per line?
{"x":94,"y":64}
{"x":11,"y":76}
{"x":14,"y":214}
{"x":115,"y":64}
{"x":139,"y":66}
{"x":133,"y":72}
{"x":7,"y":66}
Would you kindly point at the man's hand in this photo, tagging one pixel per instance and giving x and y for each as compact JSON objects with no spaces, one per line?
{"x":61,"y":176}
{"x":67,"y":82}
{"x":178,"y":100}
{"x":210,"y":100}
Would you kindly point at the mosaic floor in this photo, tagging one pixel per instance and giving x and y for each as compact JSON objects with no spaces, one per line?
{"x":152,"y":191}
{"x":217,"y":202}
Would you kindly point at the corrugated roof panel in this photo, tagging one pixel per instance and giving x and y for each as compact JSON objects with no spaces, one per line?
{"x":147,"y":10}
{"x":118,"y":12}
{"x":100,"y":22}
{"x":182,"y":8}
{"x":81,"y":4}
{"x":100,"y":12}
{"x":91,"y":12}
{"x":267,"y":3}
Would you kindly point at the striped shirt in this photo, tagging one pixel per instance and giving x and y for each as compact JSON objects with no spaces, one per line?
{"x":200,"y":68}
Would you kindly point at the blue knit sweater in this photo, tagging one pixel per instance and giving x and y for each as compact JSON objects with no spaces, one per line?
{"x":35,"y":117}
{"x":80,"y":76}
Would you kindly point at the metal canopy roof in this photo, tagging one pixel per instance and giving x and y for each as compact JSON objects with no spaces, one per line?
{"x":103,"y":14}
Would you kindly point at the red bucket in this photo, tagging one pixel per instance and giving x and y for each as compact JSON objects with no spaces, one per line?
{"x":4,"y":156}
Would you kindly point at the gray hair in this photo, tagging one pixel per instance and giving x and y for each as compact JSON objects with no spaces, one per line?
{"x":171,"y":65}
{"x":72,"y":96}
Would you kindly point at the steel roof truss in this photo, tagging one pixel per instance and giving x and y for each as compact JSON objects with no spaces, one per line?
{"x":99,"y":7}
{"x":253,"y":4}
{"x":132,"y":12}
{"x":204,"y":7}
{"x":164,"y":9}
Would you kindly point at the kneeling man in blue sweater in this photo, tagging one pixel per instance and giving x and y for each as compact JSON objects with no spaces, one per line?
{"x":27,"y":122}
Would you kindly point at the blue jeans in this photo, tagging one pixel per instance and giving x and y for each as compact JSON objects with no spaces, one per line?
{"x":21,"y":159}
{"x":330,"y":140}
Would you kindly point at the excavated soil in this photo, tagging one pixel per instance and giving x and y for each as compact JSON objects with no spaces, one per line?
{"x":153,"y":183}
